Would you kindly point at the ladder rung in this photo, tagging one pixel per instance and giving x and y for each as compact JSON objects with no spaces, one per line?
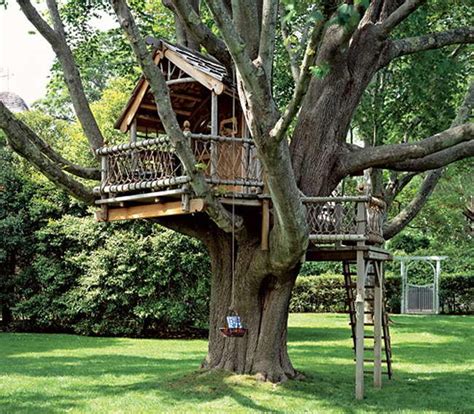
{"x":365,"y":324}
{"x":371,"y":372}
{"x":354,"y":285}
{"x":365,"y":312}
{"x":384,"y":361}
{"x":369,"y":336}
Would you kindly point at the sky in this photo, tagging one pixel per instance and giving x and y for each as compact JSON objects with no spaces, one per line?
{"x":25,"y":58}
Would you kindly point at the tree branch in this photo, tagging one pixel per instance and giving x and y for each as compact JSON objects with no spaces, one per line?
{"x":289,"y":235}
{"x":14,"y":127}
{"x":431,"y":41}
{"x":454,"y":144}
{"x":396,"y":185}
{"x":399,"y":222}
{"x":267,"y":35}
{"x":400,"y":14}
{"x":254,"y":78}
{"x":193,"y":23}
{"x":57,"y":39}
{"x":438,"y":159}
{"x":17,"y":135}
{"x":280,"y":128}
{"x":180,"y":142}
{"x":414,"y":207}
{"x":295,"y":70}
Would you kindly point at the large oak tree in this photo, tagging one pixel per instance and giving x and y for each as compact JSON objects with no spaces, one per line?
{"x":303,"y":146}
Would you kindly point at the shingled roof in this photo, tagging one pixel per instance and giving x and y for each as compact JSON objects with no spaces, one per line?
{"x":204,"y":70}
{"x":204,"y":63}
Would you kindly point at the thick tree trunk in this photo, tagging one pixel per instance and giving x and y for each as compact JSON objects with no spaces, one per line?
{"x":261,"y":299}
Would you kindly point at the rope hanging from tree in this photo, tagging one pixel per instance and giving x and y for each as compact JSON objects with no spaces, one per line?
{"x":233,"y":324}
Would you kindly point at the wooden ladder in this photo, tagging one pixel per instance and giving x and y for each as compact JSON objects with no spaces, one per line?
{"x":350,"y":287}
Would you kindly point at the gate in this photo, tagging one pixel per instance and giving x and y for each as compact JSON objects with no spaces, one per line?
{"x":420,"y":299}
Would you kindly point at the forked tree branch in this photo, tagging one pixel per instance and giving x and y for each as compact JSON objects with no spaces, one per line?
{"x":279,"y":130}
{"x":438,"y":159}
{"x":394,"y":226}
{"x":398,"y":223}
{"x":181,"y":144}
{"x":396,"y":185}
{"x":436,"y":151}
{"x":399,"y":15}
{"x":193,"y":23}
{"x":293,"y":60}
{"x":57,"y":39}
{"x":14,"y":127}
{"x":410,"y":45}
{"x":18,"y":135}
{"x":288,"y":237}
{"x":254,"y":79}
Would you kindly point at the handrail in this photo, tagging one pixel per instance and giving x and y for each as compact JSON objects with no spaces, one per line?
{"x":165,"y":140}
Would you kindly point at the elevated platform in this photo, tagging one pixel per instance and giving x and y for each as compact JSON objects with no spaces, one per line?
{"x":346,"y":253}
{"x":145,"y":179}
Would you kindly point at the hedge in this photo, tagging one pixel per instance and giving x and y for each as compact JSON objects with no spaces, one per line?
{"x":112,"y":279}
{"x":326,"y":293}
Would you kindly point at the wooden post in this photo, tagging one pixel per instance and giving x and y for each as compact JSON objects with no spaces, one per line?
{"x":245,"y":154}
{"x":104,"y":209}
{"x":214,"y":131}
{"x":133,"y":131}
{"x":436,"y":286}
{"x":359,"y":305}
{"x":265,"y":224}
{"x":360,"y":302}
{"x":404,"y":287}
{"x":378,"y":324}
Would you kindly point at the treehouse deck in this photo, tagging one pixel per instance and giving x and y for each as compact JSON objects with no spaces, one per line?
{"x":145,"y":179}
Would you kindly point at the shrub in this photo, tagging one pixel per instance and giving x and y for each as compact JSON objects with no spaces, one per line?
{"x":113,"y":279}
{"x":457,"y":293}
{"x":326,"y":293}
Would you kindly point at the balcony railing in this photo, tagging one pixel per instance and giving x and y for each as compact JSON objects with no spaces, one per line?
{"x":338,"y":219}
{"x":153,"y":164}
{"x":229,"y":165}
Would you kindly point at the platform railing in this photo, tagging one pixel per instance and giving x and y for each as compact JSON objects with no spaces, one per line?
{"x":153,"y":164}
{"x":345,"y":218}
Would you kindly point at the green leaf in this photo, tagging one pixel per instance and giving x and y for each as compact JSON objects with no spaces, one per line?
{"x":320,"y":71}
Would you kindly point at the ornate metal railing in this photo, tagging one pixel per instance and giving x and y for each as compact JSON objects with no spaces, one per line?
{"x":335,"y":219}
{"x":153,"y":164}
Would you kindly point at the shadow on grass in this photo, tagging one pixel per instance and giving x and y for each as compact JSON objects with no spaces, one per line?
{"x":323,"y":353}
{"x":20,"y":343}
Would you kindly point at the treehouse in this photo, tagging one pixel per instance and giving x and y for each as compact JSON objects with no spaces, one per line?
{"x":144,"y":178}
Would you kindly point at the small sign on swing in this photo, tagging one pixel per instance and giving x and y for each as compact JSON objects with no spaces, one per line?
{"x":233,"y":322}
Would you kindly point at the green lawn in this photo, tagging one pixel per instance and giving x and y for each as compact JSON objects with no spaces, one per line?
{"x":433,"y":362}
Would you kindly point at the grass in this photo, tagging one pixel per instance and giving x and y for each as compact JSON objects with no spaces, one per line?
{"x":433,"y":362}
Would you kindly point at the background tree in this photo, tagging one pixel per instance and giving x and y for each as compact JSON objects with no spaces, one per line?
{"x":302,"y":146}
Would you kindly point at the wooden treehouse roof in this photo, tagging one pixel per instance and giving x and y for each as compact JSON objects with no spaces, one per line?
{"x":191,"y":76}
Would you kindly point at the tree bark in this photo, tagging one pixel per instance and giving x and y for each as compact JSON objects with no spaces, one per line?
{"x":261,"y":300}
